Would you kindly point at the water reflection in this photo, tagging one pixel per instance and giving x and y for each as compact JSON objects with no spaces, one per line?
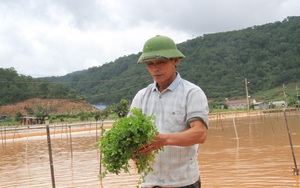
{"x":258,"y":155}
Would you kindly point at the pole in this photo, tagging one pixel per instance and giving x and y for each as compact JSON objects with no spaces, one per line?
{"x":100,"y":169}
{"x":71,"y":141}
{"x":247,"y":97}
{"x":4,"y":137}
{"x":295,"y":170}
{"x":285,"y":105}
{"x":298,"y":96}
{"x":236,"y":133}
{"x":50,"y":154}
{"x":26,"y":156}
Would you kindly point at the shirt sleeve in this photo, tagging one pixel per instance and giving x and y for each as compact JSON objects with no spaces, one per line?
{"x":197,"y":107}
{"x":137,"y":100}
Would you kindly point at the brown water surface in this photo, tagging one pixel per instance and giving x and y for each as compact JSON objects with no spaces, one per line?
{"x":255,"y":154}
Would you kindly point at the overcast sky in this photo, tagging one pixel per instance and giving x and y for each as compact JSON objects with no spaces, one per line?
{"x":56,"y":37}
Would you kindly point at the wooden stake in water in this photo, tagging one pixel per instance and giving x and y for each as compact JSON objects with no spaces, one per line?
{"x":236,"y":134}
{"x":50,"y":154}
{"x":26,"y":156}
{"x":295,"y":170}
{"x":71,"y":141}
{"x":100,"y":169}
{"x":2,"y":135}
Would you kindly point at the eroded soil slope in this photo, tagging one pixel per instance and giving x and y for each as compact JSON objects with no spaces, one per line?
{"x":52,"y":106}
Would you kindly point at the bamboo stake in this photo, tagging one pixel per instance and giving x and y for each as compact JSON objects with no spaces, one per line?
{"x":221,"y":122}
{"x":271,"y":122}
{"x":4,"y":137}
{"x":67,"y":133}
{"x":2,"y":140}
{"x":27,"y":145}
{"x":295,"y":170}
{"x":71,"y":141}
{"x":96,"y":130}
{"x":217,"y":115}
{"x":261,"y":117}
{"x":298,"y":112}
{"x":15,"y":131}
{"x":236,"y":134}
{"x":62,"y":130}
{"x":50,"y":155}
{"x":54,"y":131}
{"x":100,"y":169}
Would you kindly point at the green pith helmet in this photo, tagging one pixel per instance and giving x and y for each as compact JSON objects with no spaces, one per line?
{"x":159,"y":47}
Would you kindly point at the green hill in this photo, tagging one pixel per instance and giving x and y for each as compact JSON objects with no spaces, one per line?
{"x":267,"y":55}
{"x":16,"y":88}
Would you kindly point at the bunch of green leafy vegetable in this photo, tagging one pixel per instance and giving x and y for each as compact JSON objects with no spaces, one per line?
{"x":123,"y":142}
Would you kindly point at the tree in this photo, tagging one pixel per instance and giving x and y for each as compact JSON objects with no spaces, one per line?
{"x":18,"y":116}
{"x":122,"y":108}
{"x":97,"y":115}
{"x":40,"y":114}
{"x":292,"y":101}
{"x":84,"y":116}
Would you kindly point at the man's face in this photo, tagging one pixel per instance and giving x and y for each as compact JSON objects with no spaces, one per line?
{"x":163,"y":71}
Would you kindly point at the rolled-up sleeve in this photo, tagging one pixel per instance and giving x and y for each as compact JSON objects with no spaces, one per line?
{"x":197,"y":107}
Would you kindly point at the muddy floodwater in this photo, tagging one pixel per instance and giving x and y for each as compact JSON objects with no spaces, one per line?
{"x":240,"y":152}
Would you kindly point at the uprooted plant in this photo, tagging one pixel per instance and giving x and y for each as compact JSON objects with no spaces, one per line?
{"x":123,"y":142}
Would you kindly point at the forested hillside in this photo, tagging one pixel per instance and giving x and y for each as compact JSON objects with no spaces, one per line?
{"x":16,"y":88}
{"x":267,"y":55}
{"x":109,"y":83}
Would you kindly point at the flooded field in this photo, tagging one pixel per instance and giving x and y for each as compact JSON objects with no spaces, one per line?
{"x":248,"y":152}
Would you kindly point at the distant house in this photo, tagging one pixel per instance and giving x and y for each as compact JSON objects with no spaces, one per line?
{"x":239,"y":104}
{"x":3,"y":117}
{"x":278,"y":103}
{"x":100,"y":106}
{"x":29,"y":120}
{"x":261,"y":105}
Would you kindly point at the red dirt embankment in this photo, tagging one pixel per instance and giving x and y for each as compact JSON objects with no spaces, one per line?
{"x":52,"y":106}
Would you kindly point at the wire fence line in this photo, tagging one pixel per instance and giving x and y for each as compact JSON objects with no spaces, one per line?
{"x":92,"y":125}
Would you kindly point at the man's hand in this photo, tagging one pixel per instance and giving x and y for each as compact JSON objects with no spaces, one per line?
{"x":156,"y":144}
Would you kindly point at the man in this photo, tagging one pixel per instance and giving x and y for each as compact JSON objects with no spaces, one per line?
{"x":181,"y":112}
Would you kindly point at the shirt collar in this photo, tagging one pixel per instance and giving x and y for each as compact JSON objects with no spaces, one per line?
{"x":172,"y":86}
